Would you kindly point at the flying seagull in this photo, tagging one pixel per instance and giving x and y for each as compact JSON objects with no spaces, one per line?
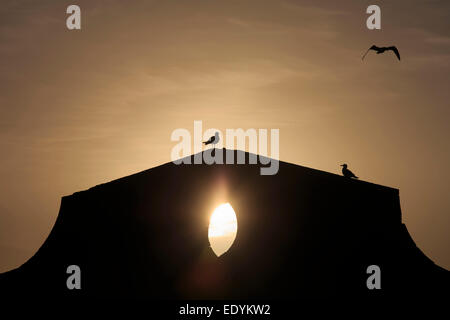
{"x":214,"y":139}
{"x":346,"y":172}
{"x":383,"y":49}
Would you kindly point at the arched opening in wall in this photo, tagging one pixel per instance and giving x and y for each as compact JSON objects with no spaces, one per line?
{"x":222,"y":228}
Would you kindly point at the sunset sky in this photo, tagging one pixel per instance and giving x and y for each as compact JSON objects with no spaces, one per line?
{"x":79,"y":108}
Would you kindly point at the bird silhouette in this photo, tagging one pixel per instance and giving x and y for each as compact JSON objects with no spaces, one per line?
{"x":383,"y":49}
{"x":346,"y":172}
{"x":213,"y":140}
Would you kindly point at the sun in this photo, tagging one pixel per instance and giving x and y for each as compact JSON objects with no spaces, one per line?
{"x":222,"y":228}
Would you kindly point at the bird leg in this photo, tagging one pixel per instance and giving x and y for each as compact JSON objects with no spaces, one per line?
{"x":365,"y":54}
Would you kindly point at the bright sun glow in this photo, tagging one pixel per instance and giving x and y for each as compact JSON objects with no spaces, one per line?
{"x":222,"y":228}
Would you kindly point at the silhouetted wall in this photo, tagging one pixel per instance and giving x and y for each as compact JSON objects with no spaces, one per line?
{"x":301,"y":233}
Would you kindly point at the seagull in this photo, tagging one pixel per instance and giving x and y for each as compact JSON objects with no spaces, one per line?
{"x":383,"y":49}
{"x":214,"y":139}
{"x":346,"y":172}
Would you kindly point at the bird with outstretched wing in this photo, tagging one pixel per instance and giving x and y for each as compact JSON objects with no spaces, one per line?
{"x":383,"y":49}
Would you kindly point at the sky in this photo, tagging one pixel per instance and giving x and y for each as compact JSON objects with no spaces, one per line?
{"x":83,"y":107}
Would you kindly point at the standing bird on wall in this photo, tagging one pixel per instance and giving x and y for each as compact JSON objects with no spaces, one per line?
{"x":346,"y":172}
{"x":213,"y":140}
{"x":383,"y":49}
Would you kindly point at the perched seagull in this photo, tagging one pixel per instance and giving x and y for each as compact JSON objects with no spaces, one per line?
{"x":383,"y":49}
{"x":215,"y":139}
{"x":346,"y":172}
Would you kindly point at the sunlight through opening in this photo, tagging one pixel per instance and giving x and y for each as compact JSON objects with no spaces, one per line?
{"x":222,"y":229}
